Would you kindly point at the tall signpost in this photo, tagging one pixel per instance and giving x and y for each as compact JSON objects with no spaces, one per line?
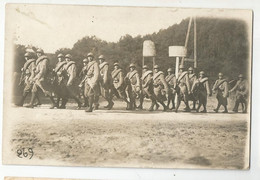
{"x":148,"y":51}
{"x":178,"y":52}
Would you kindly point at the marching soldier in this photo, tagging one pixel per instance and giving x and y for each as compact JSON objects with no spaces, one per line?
{"x":60,"y":85}
{"x":192,"y":78}
{"x":91,"y":83}
{"x":183,"y":88}
{"x":221,"y":86}
{"x":241,"y":89}
{"x":201,"y":86}
{"x":147,"y":88}
{"x":160,"y":87}
{"x":119,"y":85}
{"x":105,"y":82}
{"x":134,"y":85}
{"x":27,"y":76}
{"x":82,"y":76}
{"x":171,"y":81}
{"x":70,"y":82}
{"x":39,"y":80}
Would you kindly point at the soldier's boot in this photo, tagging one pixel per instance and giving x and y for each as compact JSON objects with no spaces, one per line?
{"x":54,"y":104}
{"x":58,"y":102}
{"x":63,"y":103}
{"x":187,"y":108}
{"x":205,"y":109}
{"x":110,"y":104}
{"x":96,"y":104}
{"x":198,"y":108}
{"x":194,"y":105}
{"x":168,"y":103}
{"x":173,"y":104}
{"x":85,"y":104}
{"x":30,"y":105}
{"x":77,"y":101}
{"x":235,"y":109}
{"x":177,"y":105}
{"x":245,"y":108}
{"x":164,"y":106}
{"x":216,"y":110}
{"x":90,"y":101}
{"x":226,"y":110}
{"x":38,"y":100}
{"x":21,"y":102}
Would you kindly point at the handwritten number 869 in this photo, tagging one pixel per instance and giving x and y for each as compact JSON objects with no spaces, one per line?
{"x":24,"y":153}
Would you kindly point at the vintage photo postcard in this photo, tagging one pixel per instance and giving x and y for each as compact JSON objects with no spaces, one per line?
{"x":27,"y":178}
{"x":138,"y":87}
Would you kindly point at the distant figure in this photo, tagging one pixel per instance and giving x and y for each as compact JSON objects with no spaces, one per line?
{"x":241,"y":89}
{"x":92,"y":90}
{"x":201,"y":90}
{"x":133,"y":85}
{"x":119,"y":85}
{"x":105,"y":82}
{"x":171,"y":81}
{"x":221,"y":86}
{"x":192,"y":78}
{"x":160,"y":87}
{"x":82,"y":76}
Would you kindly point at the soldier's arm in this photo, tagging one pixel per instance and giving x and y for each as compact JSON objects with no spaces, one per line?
{"x":235,"y":87}
{"x":121,"y":79}
{"x":72,"y":74}
{"x":137,"y":80}
{"x":105,"y":73}
{"x":225,"y":94}
{"x":187,"y":83}
{"x":207,"y":88}
{"x":150,"y":78}
{"x":214,"y":86}
{"x":166,"y":88}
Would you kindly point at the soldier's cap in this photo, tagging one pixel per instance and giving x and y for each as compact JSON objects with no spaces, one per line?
{"x":131,"y":65}
{"x":68,"y":56}
{"x":220,"y":74}
{"x":90,"y":55}
{"x":116,"y":64}
{"x":202,"y":72}
{"x":181,"y":67}
{"x":240,"y":76}
{"x":60,"y":55}
{"x":39,"y":51}
{"x":190,"y":69}
{"x":85,"y":60}
{"x":170,"y":70}
{"x":156,"y":67}
{"x":27,"y":54}
{"x":101,"y":57}
{"x":145,"y":67}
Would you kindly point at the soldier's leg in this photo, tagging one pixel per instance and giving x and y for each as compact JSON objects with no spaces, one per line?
{"x":25,"y":93}
{"x":194,"y":105}
{"x":34,"y":91}
{"x":73,"y":95}
{"x":173,"y":101}
{"x":198,"y":108}
{"x":38,"y":100}
{"x":90,"y":94}
{"x":245,"y":106}
{"x":178,"y":103}
{"x":235,"y":109}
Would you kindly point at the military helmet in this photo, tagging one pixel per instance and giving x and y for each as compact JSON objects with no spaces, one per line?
{"x":220,"y":74}
{"x":90,"y":55}
{"x":85,"y":60}
{"x":60,"y":55}
{"x":39,"y":51}
{"x":190,"y":69}
{"x":170,"y":70}
{"x":116,"y":64}
{"x":68,"y":56}
{"x":145,"y":67}
{"x":27,"y":54}
{"x":131,"y":65}
{"x":240,"y":76}
{"x":156,"y":67}
{"x":101,"y":57}
{"x":181,"y":66}
{"x":202,"y":73}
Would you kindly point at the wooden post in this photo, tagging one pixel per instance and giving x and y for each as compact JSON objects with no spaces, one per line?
{"x":143,"y":62}
{"x":195,"y":44}
{"x":177,"y":75}
{"x":187,"y":39}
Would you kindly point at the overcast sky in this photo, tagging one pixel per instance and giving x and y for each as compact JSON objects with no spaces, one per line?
{"x":58,"y":26}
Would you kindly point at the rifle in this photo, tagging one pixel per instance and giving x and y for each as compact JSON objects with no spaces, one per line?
{"x":22,"y":78}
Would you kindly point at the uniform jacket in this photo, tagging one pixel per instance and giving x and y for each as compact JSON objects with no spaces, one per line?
{"x":92,"y":73}
{"x":134,"y":78}
{"x":104,"y":72}
{"x":41,"y":68}
{"x":118,"y":79}
{"x":171,"y":80}
{"x":221,"y":86}
{"x":59,"y":71}
{"x":241,"y":87}
{"x":183,"y":80}
{"x":192,"y":78}
{"x":159,"y":81}
{"x":28,"y":69}
{"x":71,"y":70}
{"x":204,"y":81}
{"x":147,"y":78}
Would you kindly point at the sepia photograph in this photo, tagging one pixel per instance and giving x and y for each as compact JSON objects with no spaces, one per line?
{"x":115,"y":86}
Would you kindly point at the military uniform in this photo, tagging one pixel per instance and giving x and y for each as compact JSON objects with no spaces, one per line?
{"x":92,"y":90}
{"x":192,"y":77}
{"x":133,"y":86}
{"x":82,"y":76}
{"x":201,"y":90}
{"x":221,"y":86}
{"x":119,"y":85}
{"x":241,"y":89}
{"x":171,"y":81}
{"x":160,"y":88}
{"x":105,"y":83}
